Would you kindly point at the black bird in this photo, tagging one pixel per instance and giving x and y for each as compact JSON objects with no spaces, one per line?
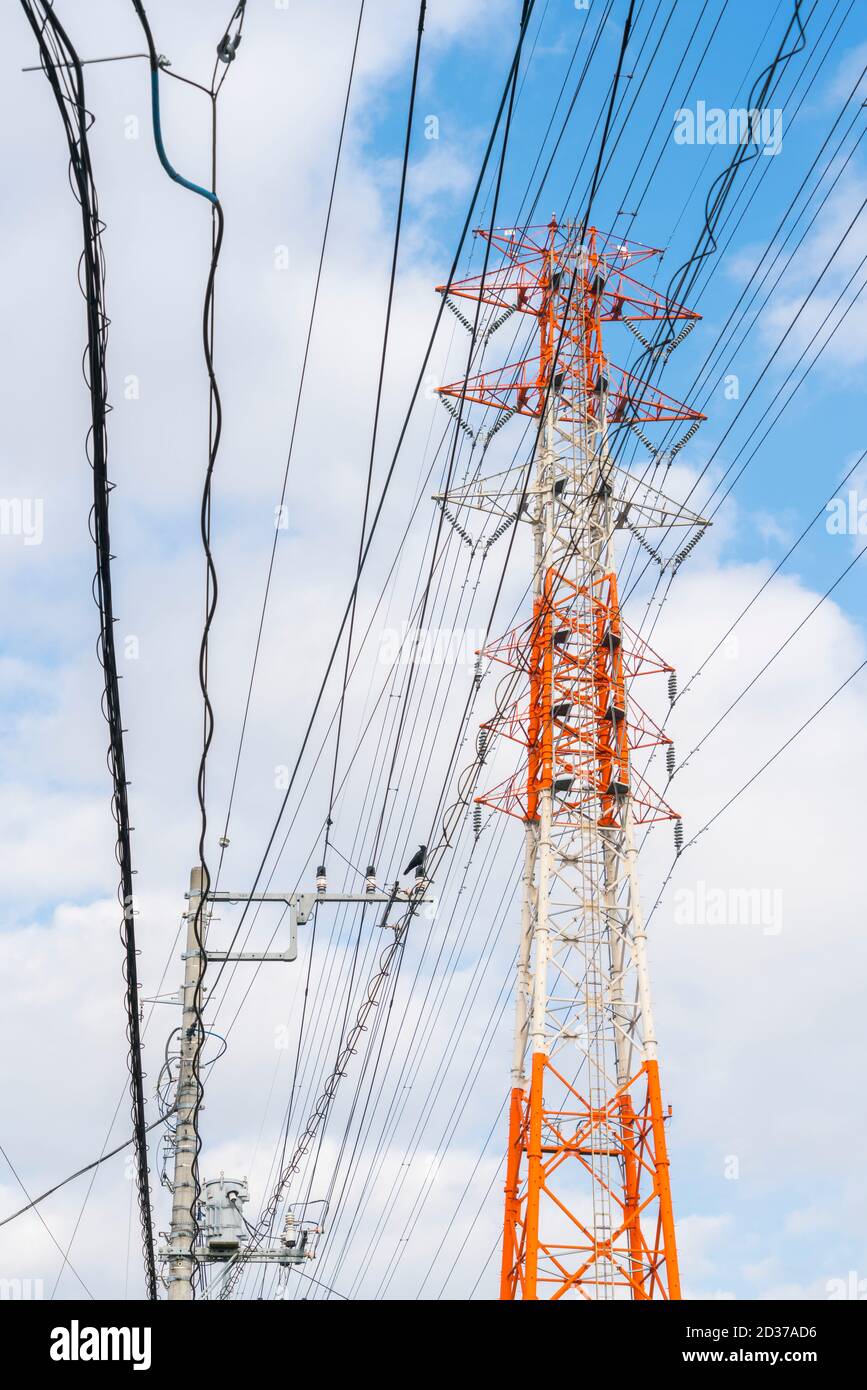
{"x":417,"y":861}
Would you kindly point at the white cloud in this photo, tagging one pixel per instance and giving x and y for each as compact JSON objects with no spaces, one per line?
{"x":831,"y":316}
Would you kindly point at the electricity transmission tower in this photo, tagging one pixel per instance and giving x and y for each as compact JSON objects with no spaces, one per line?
{"x":588,"y":1209}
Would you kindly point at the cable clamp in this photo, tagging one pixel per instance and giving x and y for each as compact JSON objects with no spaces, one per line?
{"x":227,"y":48}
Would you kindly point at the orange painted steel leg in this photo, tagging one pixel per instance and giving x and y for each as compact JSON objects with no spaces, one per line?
{"x":631,"y":1195}
{"x":511,"y":1244}
{"x":663,"y":1186}
{"x":580,"y":660}
{"x":534,"y":1175}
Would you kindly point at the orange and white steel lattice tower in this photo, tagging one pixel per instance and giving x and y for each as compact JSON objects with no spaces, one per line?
{"x":588,"y":1209}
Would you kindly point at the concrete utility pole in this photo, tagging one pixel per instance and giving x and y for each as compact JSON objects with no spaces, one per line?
{"x":219,"y":1216}
{"x":181,"y":1259}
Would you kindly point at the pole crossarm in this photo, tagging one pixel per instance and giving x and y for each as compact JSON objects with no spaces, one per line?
{"x":299,"y":907}
{"x":192,"y":1242}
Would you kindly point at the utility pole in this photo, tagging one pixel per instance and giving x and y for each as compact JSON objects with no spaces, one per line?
{"x":181,"y":1257}
{"x":588,"y":1209}
{"x":216,"y":1234}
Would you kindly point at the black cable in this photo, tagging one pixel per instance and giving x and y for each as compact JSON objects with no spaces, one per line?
{"x":474,"y":333}
{"x":595,"y":178}
{"x":664,"y":108}
{"x":377,"y":408}
{"x":772,"y":759}
{"x":386,"y":484}
{"x":444,"y":842}
{"x":403,"y":540}
{"x":375,"y":759}
{"x":215,"y":421}
{"x":45,"y":1226}
{"x":389,"y":303}
{"x":754,"y":292}
{"x":422,"y":489}
{"x":459,"y":416}
{"x":320,"y":1285}
{"x":685,"y":277}
{"x":304,"y":361}
{"x":628,"y":112}
{"x":154,"y":1124}
{"x":597,"y":172}
{"x":76,"y":125}
{"x":392,"y":570}
{"x":755,"y":776}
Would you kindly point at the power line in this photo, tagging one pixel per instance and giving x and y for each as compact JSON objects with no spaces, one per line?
{"x":754,"y":778}
{"x":322,"y":1114}
{"x":225,"y":50}
{"x":67,"y":85}
{"x":31,"y":1204}
{"x":319,"y":1284}
{"x":444,"y":841}
{"x":378,"y":402}
{"x":782,"y":748}
{"x":79,"y":1172}
{"x":389,"y":304}
{"x":774,"y":572}
{"x":295,"y":416}
{"x":392,"y":566}
{"x":86,"y":1199}
{"x":384,"y":491}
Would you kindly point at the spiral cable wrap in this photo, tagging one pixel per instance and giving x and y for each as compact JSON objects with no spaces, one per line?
{"x":62,"y":65}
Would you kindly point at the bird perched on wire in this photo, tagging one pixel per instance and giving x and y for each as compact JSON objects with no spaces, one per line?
{"x":417,"y":861}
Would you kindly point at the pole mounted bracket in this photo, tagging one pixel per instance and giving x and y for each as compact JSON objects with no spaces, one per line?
{"x":299,"y":907}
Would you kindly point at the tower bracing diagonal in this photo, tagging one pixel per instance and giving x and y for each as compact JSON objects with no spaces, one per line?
{"x":588,"y":1204}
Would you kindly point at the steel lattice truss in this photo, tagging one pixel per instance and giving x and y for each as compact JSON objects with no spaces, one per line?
{"x":588,"y":1203}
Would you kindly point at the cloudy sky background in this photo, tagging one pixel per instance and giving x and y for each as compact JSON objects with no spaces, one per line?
{"x":760,"y":1023}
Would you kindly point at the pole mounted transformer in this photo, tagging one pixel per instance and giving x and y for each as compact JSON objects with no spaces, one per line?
{"x":588,"y":1206}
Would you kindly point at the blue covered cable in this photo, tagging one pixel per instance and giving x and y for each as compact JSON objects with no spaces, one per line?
{"x":155,"y":112}
{"x":215,"y":430}
{"x":161,"y":149}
